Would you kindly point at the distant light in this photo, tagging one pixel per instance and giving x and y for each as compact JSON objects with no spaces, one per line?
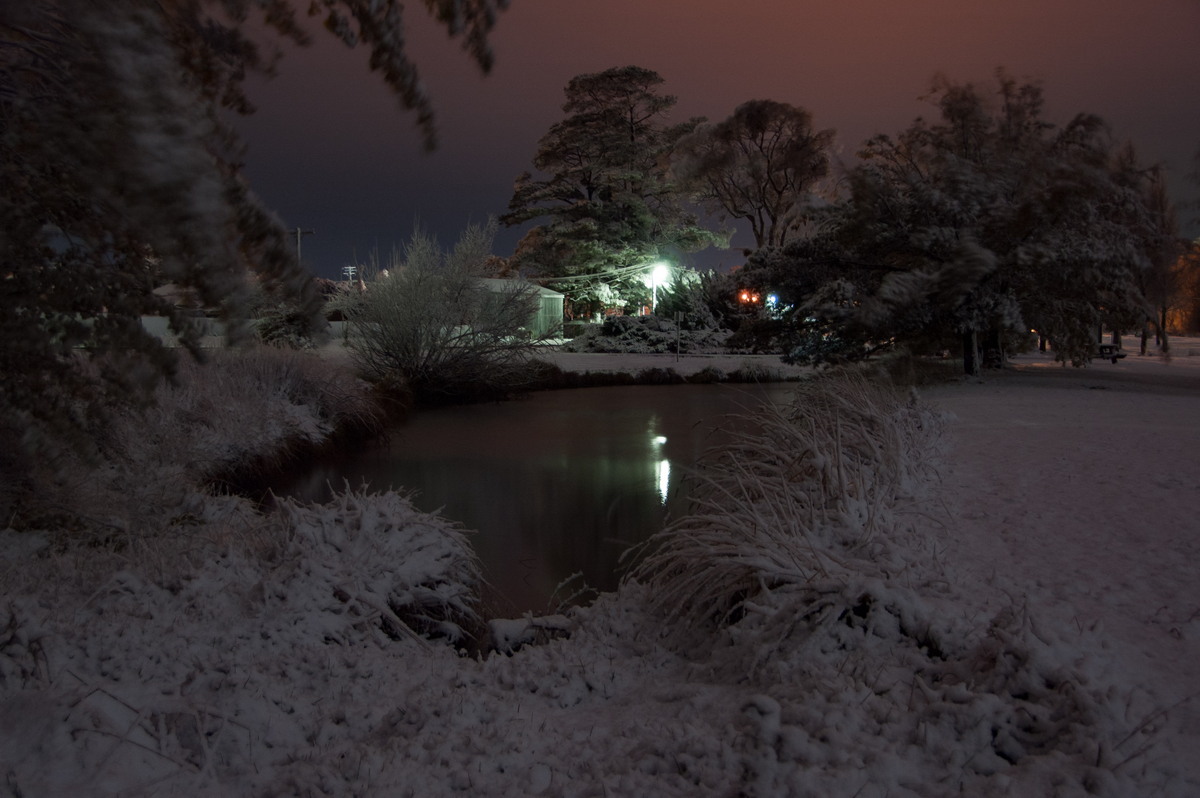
{"x":659,"y":440}
{"x":772,"y":299}
{"x":664,"y":479}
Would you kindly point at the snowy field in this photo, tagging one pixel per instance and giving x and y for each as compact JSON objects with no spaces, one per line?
{"x":1078,"y":491}
{"x":998,"y":598}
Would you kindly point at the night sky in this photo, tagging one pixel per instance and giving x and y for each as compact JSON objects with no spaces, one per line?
{"x":330,"y":150}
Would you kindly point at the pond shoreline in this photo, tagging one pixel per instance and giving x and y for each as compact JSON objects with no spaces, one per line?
{"x":685,"y":365}
{"x":563,"y":370}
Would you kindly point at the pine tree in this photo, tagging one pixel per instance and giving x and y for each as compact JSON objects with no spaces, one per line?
{"x":607,"y":197}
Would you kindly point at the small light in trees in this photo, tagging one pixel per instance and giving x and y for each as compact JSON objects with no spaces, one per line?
{"x":749,"y":297}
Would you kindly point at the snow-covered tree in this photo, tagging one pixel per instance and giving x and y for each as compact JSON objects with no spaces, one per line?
{"x":431,"y":325}
{"x":761,"y":165}
{"x":609,"y":204}
{"x":989,"y":221}
{"x":1163,"y":279}
{"x":1185,"y":315}
{"x":118,"y":172}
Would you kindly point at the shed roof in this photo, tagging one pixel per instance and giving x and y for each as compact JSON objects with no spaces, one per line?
{"x":498,"y":284}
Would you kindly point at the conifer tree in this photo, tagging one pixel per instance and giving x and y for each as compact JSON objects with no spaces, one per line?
{"x":609,"y":204}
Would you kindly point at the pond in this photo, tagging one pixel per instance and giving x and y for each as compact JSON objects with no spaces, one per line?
{"x":557,"y":484}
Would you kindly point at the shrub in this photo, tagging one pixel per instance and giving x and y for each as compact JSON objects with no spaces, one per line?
{"x":431,"y":320}
{"x":243,"y":412}
{"x":798,"y":498}
{"x":285,"y":327}
{"x":644,"y":334}
{"x":758,"y":335}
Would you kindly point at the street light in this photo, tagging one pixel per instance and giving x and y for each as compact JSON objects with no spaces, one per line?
{"x":660,"y":272}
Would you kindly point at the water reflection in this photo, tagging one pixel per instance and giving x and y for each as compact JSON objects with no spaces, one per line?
{"x":560,"y":483}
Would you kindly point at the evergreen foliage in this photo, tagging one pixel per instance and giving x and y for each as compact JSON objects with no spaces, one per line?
{"x":608,"y":200}
{"x":119,"y":173}
{"x":694,"y":298}
{"x":646,"y":334}
{"x":990,"y":220}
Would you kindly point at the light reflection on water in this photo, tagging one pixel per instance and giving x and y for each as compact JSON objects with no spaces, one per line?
{"x":562,"y":482}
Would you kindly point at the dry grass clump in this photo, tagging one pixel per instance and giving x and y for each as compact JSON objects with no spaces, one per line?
{"x":798,"y":497}
{"x":227,"y":414}
{"x":407,"y":572}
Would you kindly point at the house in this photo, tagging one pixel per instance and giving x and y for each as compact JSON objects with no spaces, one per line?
{"x":548,"y":317}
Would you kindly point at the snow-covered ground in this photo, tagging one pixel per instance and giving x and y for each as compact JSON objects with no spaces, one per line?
{"x":1027,"y":623}
{"x":1077,"y":491}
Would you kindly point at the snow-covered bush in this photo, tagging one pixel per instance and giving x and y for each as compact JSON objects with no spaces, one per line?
{"x":406,"y":571}
{"x":284,"y":327}
{"x":645,"y":334}
{"x":258,"y":655}
{"x":245,"y":410}
{"x":432,"y":322}
{"x":695,"y":298}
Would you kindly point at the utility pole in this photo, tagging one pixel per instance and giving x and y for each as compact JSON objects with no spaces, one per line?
{"x":300,"y":233}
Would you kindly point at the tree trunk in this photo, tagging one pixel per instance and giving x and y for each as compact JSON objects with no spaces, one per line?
{"x":1145,"y":335}
{"x":970,"y":345}
{"x":1166,"y":344}
{"x":993,"y":350}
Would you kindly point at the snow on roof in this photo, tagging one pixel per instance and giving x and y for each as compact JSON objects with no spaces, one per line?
{"x":499,"y":284}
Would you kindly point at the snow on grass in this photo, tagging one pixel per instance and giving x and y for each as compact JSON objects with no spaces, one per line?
{"x":802,"y":497}
{"x":243,"y":411}
{"x":822,"y":595}
{"x":861,"y":628}
{"x":267,"y":666}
